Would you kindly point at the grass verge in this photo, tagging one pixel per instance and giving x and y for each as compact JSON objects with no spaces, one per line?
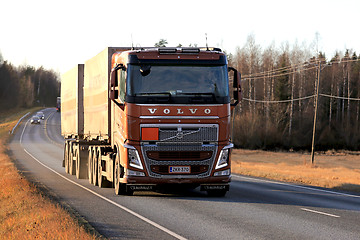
{"x":25,"y":212}
{"x":337,"y":170}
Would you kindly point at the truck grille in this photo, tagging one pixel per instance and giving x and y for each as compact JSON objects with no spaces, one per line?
{"x":181,"y":145}
{"x":188,"y":134}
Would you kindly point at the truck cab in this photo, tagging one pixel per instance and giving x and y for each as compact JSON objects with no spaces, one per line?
{"x":170,"y":119}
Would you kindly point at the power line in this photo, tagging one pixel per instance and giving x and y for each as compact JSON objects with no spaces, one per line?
{"x":277,"y":75}
{"x":299,"y":99}
{"x":278,"y":101}
{"x":344,"y":98}
{"x":295,"y":68}
{"x":282,"y":69}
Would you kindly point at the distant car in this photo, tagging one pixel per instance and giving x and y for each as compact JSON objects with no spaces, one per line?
{"x":35,"y":120}
{"x":40,"y":115}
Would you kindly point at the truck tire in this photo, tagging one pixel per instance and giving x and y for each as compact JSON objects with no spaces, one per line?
{"x":117,"y":174}
{"x":90,"y":165}
{"x":94,"y":160}
{"x":63,"y":162}
{"x":81,"y":170}
{"x":66,"y":157}
{"x":120,"y":188}
{"x":102,"y":180}
{"x":72,"y":169}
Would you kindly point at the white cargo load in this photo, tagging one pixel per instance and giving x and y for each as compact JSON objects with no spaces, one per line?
{"x":96,"y":94}
{"x":72,"y":110}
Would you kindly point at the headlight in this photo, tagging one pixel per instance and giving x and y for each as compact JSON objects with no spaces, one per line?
{"x":134,"y":159}
{"x":223,"y":158}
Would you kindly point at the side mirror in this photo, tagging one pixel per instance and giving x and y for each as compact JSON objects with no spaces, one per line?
{"x":114,"y":86}
{"x":113,"y":80}
{"x":236,"y":86}
{"x":114,"y":94}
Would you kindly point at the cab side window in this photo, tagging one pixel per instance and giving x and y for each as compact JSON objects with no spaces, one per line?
{"x":121,"y":78}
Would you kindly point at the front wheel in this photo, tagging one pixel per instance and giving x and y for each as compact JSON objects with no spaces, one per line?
{"x":120,"y":188}
{"x":117,"y":183}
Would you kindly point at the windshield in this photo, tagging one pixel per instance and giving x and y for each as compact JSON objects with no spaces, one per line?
{"x":179,"y":84}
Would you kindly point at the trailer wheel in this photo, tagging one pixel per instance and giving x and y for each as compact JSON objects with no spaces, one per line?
{"x":65,"y":152}
{"x":71,"y":159}
{"x":66,"y":157}
{"x":90,"y":166}
{"x":80,"y":164}
{"x":94,"y":166}
{"x":102,"y":180}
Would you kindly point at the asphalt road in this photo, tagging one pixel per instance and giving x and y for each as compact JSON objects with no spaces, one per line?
{"x":253,"y":209}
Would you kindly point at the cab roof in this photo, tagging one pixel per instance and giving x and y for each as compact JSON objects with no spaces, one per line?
{"x":171,"y":54}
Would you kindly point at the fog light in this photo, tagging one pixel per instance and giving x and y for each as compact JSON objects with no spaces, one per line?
{"x":222,"y":173}
{"x":135,"y":173}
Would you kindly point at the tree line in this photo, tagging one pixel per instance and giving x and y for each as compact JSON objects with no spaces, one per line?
{"x":279,"y":88}
{"x":26,"y":86}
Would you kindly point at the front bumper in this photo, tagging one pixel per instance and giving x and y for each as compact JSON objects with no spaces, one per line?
{"x":175,"y":180}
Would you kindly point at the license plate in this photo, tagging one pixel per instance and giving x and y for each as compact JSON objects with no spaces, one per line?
{"x":179,"y":169}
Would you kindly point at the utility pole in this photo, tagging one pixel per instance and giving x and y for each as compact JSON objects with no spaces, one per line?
{"x":316,"y":110}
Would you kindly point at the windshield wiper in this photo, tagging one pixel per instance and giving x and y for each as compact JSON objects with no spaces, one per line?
{"x":199,"y":94}
{"x":156,"y":97}
{"x":200,"y":98}
{"x":152,"y":93}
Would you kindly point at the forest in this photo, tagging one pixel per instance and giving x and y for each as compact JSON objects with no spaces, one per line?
{"x":279,"y":87}
{"x":26,"y":86}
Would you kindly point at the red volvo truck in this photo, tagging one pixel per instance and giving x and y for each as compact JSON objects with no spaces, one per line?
{"x":143,"y":119}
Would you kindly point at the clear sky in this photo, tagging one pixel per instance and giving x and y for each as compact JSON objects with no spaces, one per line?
{"x":59,"y":34}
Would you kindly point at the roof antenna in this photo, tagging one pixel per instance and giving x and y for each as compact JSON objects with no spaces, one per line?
{"x":207,"y":47}
{"x":132,"y":43}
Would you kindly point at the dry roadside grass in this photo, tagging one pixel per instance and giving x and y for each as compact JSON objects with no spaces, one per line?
{"x":25,"y":212}
{"x":337,"y":170}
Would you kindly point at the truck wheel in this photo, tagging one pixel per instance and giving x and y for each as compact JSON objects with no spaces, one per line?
{"x":77,"y":164}
{"x":65,"y":152}
{"x":90,"y":166}
{"x":94,"y":166}
{"x":79,"y":168}
{"x":66,"y":157}
{"x":71,"y":160}
{"x":119,"y":189}
{"x":102,"y":181}
{"x":216,"y":193}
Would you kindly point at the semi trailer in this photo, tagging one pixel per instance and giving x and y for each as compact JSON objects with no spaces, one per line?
{"x":149,"y":118}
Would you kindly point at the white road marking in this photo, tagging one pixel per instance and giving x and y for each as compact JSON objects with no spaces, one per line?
{"x":175,"y":235}
{"x":297,"y":186}
{"x":323,"y":213}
